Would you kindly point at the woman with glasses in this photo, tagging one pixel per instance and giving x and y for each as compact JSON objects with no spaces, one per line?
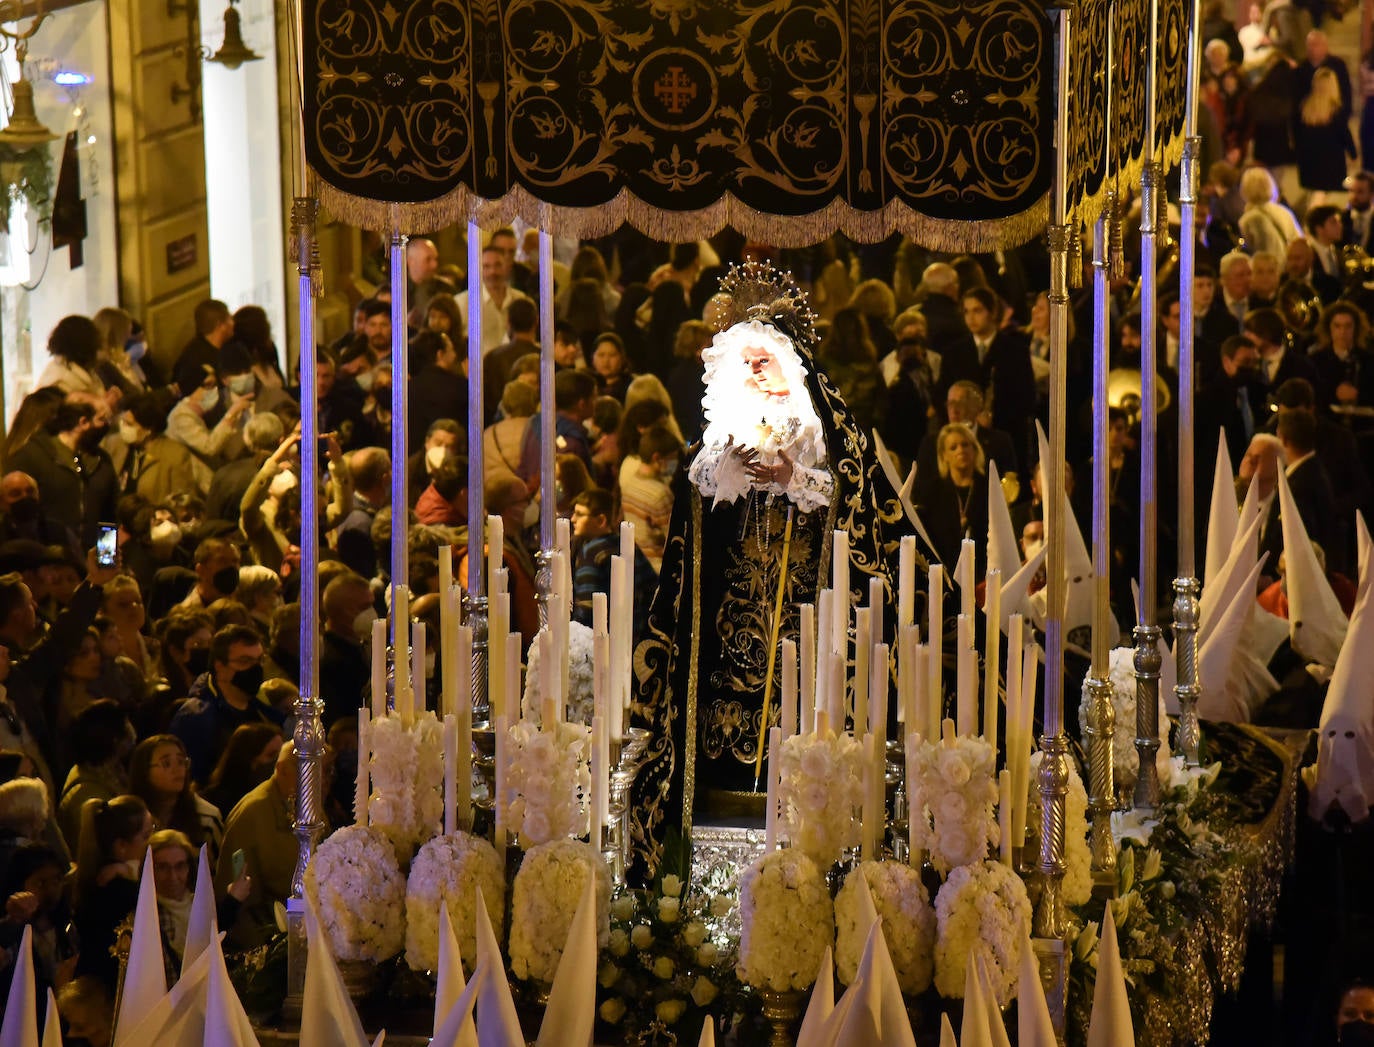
{"x":160,"y":775}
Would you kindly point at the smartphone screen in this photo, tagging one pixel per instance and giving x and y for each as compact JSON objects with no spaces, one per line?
{"x":237,"y":863}
{"x":107,"y":544}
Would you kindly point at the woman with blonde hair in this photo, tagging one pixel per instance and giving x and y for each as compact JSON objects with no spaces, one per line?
{"x":1323,"y":138}
{"x":648,"y":387}
{"x":1266,"y":224}
{"x":956,"y":506}
{"x":116,"y":363}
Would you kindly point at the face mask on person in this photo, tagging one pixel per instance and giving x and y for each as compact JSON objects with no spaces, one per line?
{"x":248,"y":680}
{"x":164,"y":534}
{"x":209,"y":399}
{"x":198,"y":661}
{"x":364,"y":381}
{"x":362,"y":623}
{"x":1033,"y":548}
{"x":434,"y":458}
{"x":131,"y":434}
{"x":25,"y":510}
{"x":281,"y":483}
{"x":242,"y":384}
{"x":134,"y":349}
{"x":225,"y":580}
{"x":669,"y":468}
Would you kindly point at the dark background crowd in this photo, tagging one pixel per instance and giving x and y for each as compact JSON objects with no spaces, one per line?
{"x":150,"y":703}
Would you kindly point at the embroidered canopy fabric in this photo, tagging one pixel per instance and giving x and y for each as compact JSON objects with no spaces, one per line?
{"x":787,"y":119}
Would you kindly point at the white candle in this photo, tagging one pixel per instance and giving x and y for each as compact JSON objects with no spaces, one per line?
{"x":839,"y":580}
{"x":448,"y":651}
{"x":558,"y":616}
{"x":599,"y":764}
{"x":562,"y":530}
{"x":992,"y":604}
{"x":771,"y":814}
{"x":875,"y":607}
{"x":400,"y":656}
{"x":620,"y":640}
{"x":913,"y":746}
{"x":966,"y":693}
{"x":868,"y":833}
{"x":807,"y":640}
{"x":964,"y":568}
{"x":360,"y":785}
{"x":463,"y":707}
{"x":825,"y":600}
{"x":1030,"y":666}
{"x":450,"y":775}
{"x":420,"y":693}
{"x":787,"y":717}
{"x":496,"y":548}
{"x":512,"y":677}
{"x":548,"y":716}
{"x":379,"y":668}
{"x":498,"y":637}
{"x":627,"y":542}
{"x":906,"y":580}
{"x":935,"y":689}
{"x":538,"y":696}
{"x":1004,"y":805}
{"x":835,"y":690}
{"x":499,"y":801}
{"x":906,"y":667}
{"x":878,"y":695}
{"x":445,"y":568}
{"x":1014,"y":655}
{"x":862,"y":618}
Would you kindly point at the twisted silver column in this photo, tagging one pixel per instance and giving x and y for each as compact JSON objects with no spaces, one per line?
{"x":1187,"y":608}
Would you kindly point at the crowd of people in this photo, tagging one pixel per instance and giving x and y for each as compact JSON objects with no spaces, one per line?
{"x":148,"y":705}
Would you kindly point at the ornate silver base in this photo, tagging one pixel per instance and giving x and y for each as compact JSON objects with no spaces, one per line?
{"x":1054,"y":789}
{"x":1187,"y":611}
{"x":1147,"y":663}
{"x":1099,"y":732}
{"x":1052,"y":958}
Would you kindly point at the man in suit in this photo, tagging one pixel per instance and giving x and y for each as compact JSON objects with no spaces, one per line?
{"x":1319,"y":56}
{"x":1357,"y":223}
{"x":1310,"y":484}
{"x":1277,"y":362}
{"x":1335,"y":448}
{"x":1300,"y":266}
{"x":1212,"y":322}
{"x":1233,"y":402}
{"x":1345,"y":368}
{"x":1326,"y":230}
{"x":1235,"y":275}
{"x":938,"y":295}
{"x":995,"y":358}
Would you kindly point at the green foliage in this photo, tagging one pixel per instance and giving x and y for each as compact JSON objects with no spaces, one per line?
{"x":28,"y":176}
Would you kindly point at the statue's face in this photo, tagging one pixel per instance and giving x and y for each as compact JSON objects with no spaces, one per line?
{"x":766,"y":371}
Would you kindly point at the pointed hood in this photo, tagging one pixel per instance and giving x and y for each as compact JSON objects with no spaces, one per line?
{"x":19,"y":1024}
{"x":497,"y":1023}
{"x":1316,"y":623}
{"x":821,"y":1005}
{"x":570,"y":1015}
{"x":1016,"y":597}
{"x":226,"y":1022}
{"x":1223,"y":520}
{"x":449,"y":986}
{"x":1110,"y":1024}
{"x":1033,"y":1025}
{"x":997,"y":1028}
{"x":1227,"y":584}
{"x":457,"y":1024}
{"x":1221,"y":698}
{"x":1004,"y":551}
{"x":52,"y":1024}
{"x":145,"y":978}
{"x":328,"y":1018}
{"x":201,"y":928}
{"x":975,"y":1031}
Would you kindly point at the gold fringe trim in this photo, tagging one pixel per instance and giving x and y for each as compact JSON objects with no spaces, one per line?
{"x":1090,"y":207}
{"x":461,"y":205}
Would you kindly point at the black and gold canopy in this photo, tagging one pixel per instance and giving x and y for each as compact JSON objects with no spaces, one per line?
{"x":787,"y":119}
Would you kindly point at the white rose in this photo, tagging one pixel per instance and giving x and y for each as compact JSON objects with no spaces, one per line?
{"x":952,"y":766}
{"x":663,"y":968}
{"x":669,"y":1011}
{"x":668,"y":909}
{"x":623,"y":908}
{"x":612,"y":1011}
{"x":641,"y":937}
{"x":672,"y":886}
{"x":607,"y":975}
{"x":694,"y":934}
{"x":816,"y":762}
{"x":953,"y":806}
{"x":721,"y":906}
{"x":708,"y":954}
{"x":620,"y":942}
{"x":536,"y":826}
{"x":704,"y":991}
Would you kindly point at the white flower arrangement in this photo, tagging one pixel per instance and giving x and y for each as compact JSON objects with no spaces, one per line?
{"x":548,"y":782}
{"x":580,"y":696}
{"x":1125,"y":759}
{"x":954,"y":799}
{"x":447,"y":871}
{"x":357,"y":886}
{"x":820,"y":787}
{"x":407,"y":801}
{"x":548,"y":889}
{"x":982,"y":910}
{"x":1078,"y":856}
{"x":908,"y":924}
{"x":788,"y":921}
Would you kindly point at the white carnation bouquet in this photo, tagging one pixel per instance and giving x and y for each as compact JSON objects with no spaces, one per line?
{"x":908,"y":923}
{"x":548,"y":889}
{"x":954,"y":800}
{"x":982,"y":910}
{"x":357,"y":886}
{"x":447,"y":871}
{"x":580,"y":696}
{"x":548,"y":782}
{"x":820,"y":787}
{"x":1078,"y":857}
{"x":788,"y":921}
{"x":407,"y":801}
{"x":1125,"y":759}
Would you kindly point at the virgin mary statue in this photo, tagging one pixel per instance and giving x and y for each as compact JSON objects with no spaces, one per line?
{"x":781,"y":466}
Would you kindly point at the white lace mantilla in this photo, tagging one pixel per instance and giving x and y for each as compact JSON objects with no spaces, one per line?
{"x":739,"y":415}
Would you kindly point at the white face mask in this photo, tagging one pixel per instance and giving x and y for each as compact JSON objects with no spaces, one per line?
{"x":1033,"y":548}
{"x":130,"y":434}
{"x":164,"y":534}
{"x":362,"y":624}
{"x":364,"y":381}
{"x":241,"y":384}
{"x":435,"y":456}
{"x":209,"y":399}
{"x":281,"y":483}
